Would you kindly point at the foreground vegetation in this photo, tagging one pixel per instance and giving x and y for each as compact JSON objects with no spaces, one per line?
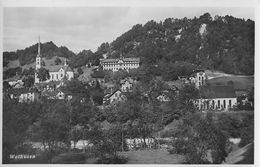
{"x":55,"y":123}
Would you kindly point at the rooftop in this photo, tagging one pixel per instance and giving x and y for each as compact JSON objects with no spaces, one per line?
{"x":58,"y":67}
{"x":124,"y":59}
{"x":218,"y":92}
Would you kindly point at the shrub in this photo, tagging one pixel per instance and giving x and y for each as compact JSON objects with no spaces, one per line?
{"x":112,"y":160}
{"x":179,"y":147}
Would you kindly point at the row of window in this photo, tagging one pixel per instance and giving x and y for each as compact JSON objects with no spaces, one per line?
{"x":114,"y":65}
{"x":217,"y":106}
{"x":57,"y":76}
{"x":121,"y":62}
{"x":115,"y":69}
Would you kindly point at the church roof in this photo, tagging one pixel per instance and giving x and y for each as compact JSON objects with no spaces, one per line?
{"x":58,"y":67}
{"x":218,"y":92}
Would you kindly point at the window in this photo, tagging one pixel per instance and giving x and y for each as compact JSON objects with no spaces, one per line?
{"x":224,"y":103}
{"x":57,"y":76}
{"x":230,"y":103}
{"x":61,"y":75}
{"x":218,"y":103}
{"x":213,"y":104}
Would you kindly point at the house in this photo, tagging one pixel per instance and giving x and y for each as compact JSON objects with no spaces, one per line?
{"x":57,"y":72}
{"x":24,"y":95}
{"x":216,"y":98}
{"x":127,"y":84}
{"x":116,"y":96}
{"x":16,"y":82}
{"x":163,"y":98}
{"x":198,"y":78}
{"x":121,"y":63}
{"x":55,"y":94}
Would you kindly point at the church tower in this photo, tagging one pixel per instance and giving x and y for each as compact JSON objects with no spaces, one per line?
{"x":38,"y":57}
{"x":38,"y":62}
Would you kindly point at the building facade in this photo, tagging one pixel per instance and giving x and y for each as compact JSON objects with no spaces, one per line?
{"x":217,"y":98}
{"x":57,"y":72}
{"x":23,"y":95}
{"x":121,"y":63}
{"x":115,"y":97}
{"x":199,"y":78}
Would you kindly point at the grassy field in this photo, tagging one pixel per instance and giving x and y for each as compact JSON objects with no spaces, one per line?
{"x":240,"y":82}
{"x":152,"y":157}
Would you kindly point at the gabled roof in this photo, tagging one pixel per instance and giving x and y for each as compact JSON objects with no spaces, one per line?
{"x":19,"y":91}
{"x":51,"y":93}
{"x":114,"y":93}
{"x":56,"y":68}
{"x":218,"y":92}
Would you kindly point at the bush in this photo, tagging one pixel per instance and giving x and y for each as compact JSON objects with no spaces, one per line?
{"x":179,"y":147}
{"x":112,"y":160}
{"x":80,"y":71}
{"x":70,"y":158}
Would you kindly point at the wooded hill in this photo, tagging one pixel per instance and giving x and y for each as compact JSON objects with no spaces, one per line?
{"x":219,"y":43}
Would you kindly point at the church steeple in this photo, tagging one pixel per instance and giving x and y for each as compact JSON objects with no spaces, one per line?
{"x":65,"y":63}
{"x":38,"y":57}
{"x":39,"y":47}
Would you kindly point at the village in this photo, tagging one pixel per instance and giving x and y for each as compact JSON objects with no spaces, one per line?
{"x":214,"y":95}
{"x":173,"y":91}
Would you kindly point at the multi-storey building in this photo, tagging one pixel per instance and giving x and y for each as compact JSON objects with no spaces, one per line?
{"x":121,"y":63}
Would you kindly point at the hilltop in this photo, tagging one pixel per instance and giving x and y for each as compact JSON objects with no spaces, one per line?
{"x":223,"y":43}
{"x":219,"y":43}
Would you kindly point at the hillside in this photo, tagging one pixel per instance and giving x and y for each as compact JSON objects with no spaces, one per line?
{"x":28,"y":55}
{"x":219,"y":43}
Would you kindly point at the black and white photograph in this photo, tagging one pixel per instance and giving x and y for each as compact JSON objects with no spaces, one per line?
{"x":128,"y":84}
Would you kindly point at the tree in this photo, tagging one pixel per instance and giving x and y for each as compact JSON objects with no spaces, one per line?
{"x":43,"y":63}
{"x":80,"y":71}
{"x":28,"y":81}
{"x":28,"y":72}
{"x":76,"y":133}
{"x":186,"y":98}
{"x":43,"y":74}
{"x":58,"y":61}
{"x":204,"y":142}
{"x":52,"y":128}
{"x":77,"y":89}
{"x":6,"y":86}
{"x":17,"y":117}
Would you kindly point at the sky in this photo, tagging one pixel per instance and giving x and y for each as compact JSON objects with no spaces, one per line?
{"x":86,"y":28}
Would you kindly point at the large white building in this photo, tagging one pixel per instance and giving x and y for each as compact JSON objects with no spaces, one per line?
{"x":57,"y":72}
{"x":121,"y":63}
{"x":217,"y":98}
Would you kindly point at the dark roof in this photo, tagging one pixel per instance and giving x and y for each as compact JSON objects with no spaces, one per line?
{"x":19,"y":91}
{"x":58,"y":67}
{"x":218,"y":92}
{"x":124,"y":59}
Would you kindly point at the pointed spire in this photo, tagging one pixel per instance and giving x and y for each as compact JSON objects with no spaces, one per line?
{"x":39,"y":47}
{"x":65,"y":63}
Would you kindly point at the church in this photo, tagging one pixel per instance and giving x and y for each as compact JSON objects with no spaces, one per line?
{"x":57,"y":72}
